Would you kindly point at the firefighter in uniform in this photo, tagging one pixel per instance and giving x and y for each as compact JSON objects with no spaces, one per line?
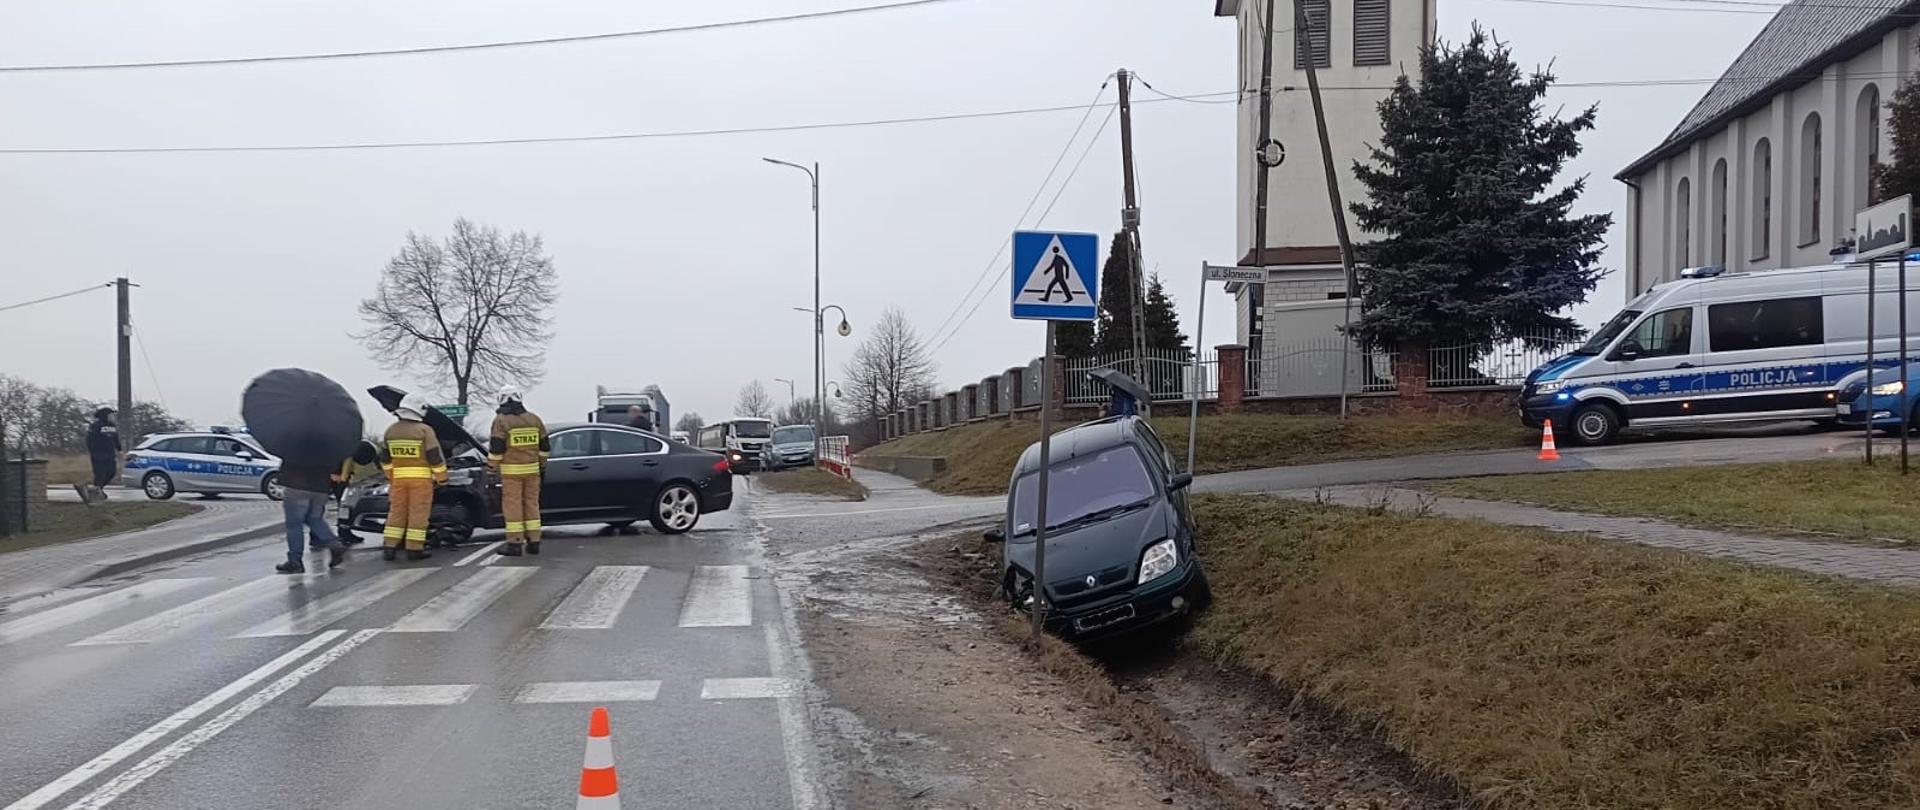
{"x":518,"y":449}
{"x":410,"y":456}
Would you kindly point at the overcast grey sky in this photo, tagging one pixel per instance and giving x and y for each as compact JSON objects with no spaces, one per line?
{"x":679,"y":258}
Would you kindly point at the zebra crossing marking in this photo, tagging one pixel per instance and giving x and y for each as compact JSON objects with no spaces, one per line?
{"x":718,"y":596}
{"x":317,"y":613}
{"x":596,"y":602}
{"x":460,"y":602}
{"x":446,"y":694}
{"x":75,"y":612}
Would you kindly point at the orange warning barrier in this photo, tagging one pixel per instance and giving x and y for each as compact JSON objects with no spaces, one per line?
{"x":1547,"y":450}
{"x":599,"y":787}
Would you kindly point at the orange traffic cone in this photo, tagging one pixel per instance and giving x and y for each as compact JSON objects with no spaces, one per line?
{"x":1547,"y":451}
{"x":599,"y":787}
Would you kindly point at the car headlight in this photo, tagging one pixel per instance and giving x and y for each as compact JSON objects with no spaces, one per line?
{"x":1159,"y":560}
{"x":459,"y":478}
{"x":1548,"y":386}
{"x":375,"y":491}
{"x":1889,"y":389}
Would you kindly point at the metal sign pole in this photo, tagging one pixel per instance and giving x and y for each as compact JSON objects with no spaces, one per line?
{"x":1199,"y":373}
{"x":1905,"y":409}
{"x":1040,"y":506}
{"x":1871,"y":266}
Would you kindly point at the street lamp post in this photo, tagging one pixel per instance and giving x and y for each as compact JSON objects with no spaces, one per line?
{"x":819,"y":333}
{"x":789,"y":389}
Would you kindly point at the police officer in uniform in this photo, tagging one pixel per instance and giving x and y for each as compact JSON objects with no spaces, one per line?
{"x":410,"y":455}
{"x":103,"y":449}
{"x":518,"y":448}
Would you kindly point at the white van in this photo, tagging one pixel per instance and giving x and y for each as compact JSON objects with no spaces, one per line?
{"x":1717,"y":347}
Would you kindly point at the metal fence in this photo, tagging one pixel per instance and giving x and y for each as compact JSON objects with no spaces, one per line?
{"x":1312,"y":367}
{"x":1167,"y":374}
{"x":1505,"y":363}
{"x":834,"y":457}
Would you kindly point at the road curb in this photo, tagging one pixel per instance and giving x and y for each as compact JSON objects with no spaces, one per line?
{"x":138,"y":560}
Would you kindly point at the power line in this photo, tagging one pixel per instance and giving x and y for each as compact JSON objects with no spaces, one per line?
{"x":477,"y":46}
{"x":81,"y":291}
{"x":1733,"y":6}
{"x":1031,"y":201}
{"x":1057,"y":193}
{"x":155,"y":378}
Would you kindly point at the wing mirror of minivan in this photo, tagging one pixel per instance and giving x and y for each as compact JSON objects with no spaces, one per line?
{"x":994,"y":535}
{"x":1629,"y":350}
{"x":1180,"y":481}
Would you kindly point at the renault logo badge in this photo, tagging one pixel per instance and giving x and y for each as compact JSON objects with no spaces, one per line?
{"x":1092,"y":580}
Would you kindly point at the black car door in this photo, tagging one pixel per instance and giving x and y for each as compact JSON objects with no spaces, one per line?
{"x":564,"y":490}
{"x":627,"y":473}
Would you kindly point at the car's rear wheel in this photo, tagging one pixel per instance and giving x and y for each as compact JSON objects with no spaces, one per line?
{"x":676,"y":509}
{"x":270,"y":486}
{"x":157,"y":486}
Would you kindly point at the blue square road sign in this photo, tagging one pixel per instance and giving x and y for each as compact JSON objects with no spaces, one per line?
{"x":1055,"y":276}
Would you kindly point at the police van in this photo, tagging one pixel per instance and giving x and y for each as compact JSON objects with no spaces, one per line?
{"x":1715,"y":347}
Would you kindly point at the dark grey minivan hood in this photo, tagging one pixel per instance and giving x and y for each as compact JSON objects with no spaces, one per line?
{"x":1101,"y":550}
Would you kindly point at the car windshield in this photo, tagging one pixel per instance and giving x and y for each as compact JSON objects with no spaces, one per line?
{"x":1081,"y":487}
{"x":752,"y":429}
{"x":792,"y":434}
{"x":1605,"y":334}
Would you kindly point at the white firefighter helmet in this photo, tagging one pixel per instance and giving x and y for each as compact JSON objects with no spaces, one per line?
{"x":509,"y":394}
{"x":413,"y":407}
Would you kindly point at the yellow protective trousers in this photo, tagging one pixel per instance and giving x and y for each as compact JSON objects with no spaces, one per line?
{"x":520,"y":502}
{"x":409,"y":507}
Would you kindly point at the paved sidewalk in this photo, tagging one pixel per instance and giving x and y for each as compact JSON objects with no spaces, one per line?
{"x":38,"y":570}
{"x":1893,"y":566}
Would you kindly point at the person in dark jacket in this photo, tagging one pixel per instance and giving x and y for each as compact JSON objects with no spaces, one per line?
{"x":638,"y":418}
{"x":305,"y":510}
{"x":103,"y":448}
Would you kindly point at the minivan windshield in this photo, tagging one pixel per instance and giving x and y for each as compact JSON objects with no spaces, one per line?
{"x":1109,"y":481}
{"x":793,"y":434}
{"x":1598,"y":343}
{"x":752,"y":428}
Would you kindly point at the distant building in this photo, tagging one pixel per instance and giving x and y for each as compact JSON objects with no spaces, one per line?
{"x":1771,"y":165}
{"x":1357,"y":44}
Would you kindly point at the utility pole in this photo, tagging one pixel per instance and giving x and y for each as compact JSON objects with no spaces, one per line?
{"x":124,"y":339}
{"x":1130,"y":224}
{"x":1303,"y":39}
{"x":1257,"y":293}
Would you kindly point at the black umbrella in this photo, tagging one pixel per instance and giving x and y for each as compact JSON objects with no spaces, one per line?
{"x":302,"y":417}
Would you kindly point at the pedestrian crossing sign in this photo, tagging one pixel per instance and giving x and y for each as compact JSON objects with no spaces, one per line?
{"x":1054,"y":276}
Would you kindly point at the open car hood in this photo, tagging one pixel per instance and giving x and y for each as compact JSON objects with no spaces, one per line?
{"x":454,"y":439}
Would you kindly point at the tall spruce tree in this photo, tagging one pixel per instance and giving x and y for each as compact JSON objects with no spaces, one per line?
{"x":1902,"y":176}
{"x":1115,"y":330}
{"x":1161,"y":321}
{"x":1073,"y":339}
{"x":1473,"y":246}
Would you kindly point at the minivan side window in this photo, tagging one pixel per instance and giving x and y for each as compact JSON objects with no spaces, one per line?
{"x":1765,"y":324}
{"x":1664,"y":334}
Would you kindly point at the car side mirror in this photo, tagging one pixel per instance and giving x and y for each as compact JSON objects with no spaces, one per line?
{"x":1180,"y":481}
{"x":1629,"y":350}
{"x":244,"y":455}
{"x":994,"y":535}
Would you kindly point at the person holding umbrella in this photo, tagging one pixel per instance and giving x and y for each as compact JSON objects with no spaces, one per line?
{"x":411,"y":457}
{"x":517,"y":448}
{"x":311,"y":423}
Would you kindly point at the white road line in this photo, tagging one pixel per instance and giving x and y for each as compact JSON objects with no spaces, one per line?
{"x":745,"y":688}
{"x":75,"y":612}
{"x":596,"y":602}
{"x":588,"y":692}
{"x":479,"y":555}
{"x":166,"y":623}
{"x":796,"y":740}
{"x":457,"y":605}
{"x":447,"y":694}
{"x":317,"y":613}
{"x":132,"y":745}
{"x":718,"y":597}
{"x":185,"y":743}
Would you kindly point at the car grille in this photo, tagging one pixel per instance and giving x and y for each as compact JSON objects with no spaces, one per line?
{"x":1853,"y":390}
{"x":1065,"y":588}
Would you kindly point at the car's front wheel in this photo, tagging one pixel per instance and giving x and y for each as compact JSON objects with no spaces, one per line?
{"x":1595,"y":424}
{"x":157,"y":486}
{"x":449,"y":525}
{"x":271,"y":487}
{"x":676,"y":509}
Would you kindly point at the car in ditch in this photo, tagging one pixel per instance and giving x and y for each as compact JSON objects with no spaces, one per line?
{"x":1120,"y":548}
{"x":597,"y":473}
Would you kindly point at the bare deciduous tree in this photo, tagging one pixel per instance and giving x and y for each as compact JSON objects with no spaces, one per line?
{"x":691,"y":422}
{"x":753,"y":402}
{"x":889,"y":371}
{"x":471,"y":313}
{"x":802,"y":412}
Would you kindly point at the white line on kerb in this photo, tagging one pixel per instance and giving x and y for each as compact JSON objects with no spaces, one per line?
{"x":132,"y":745}
{"x":159,"y":760}
{"x":484,"y":551}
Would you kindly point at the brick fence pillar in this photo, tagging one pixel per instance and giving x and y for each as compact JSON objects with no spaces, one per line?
{"x":1410,"y":373}
{"x":1016,"y":386}
{"x":1233,"y":376}
{"x":969,"y":402}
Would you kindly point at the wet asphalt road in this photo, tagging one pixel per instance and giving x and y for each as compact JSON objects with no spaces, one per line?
{"x":211,"y":682}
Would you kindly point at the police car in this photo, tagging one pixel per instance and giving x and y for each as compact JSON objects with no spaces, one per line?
{"x":207,"y":463}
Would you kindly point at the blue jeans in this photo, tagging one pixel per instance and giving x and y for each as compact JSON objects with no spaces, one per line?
{"x":306,"y":511}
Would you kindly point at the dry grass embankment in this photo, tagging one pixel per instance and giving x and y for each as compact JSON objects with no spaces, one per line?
{"x":981,"y":456}
{"x":1543,"y":670}
{"x":811,"y":481}
{"x":66,"y":470}
{"x":1844,"y":500}
{"x":65,"y":521}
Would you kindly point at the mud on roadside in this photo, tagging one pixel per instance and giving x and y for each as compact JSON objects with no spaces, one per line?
{"x":934,"y":698}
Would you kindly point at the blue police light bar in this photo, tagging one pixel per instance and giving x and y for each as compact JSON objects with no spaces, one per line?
{"x":1703,"y":271}
{"x":1913,"y":255}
